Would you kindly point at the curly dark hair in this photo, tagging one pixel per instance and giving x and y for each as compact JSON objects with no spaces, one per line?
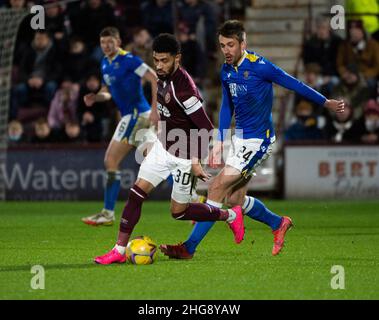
{"x":166,"y":42}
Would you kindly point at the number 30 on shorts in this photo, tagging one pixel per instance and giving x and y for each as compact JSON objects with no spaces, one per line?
{"x":182,"y":178}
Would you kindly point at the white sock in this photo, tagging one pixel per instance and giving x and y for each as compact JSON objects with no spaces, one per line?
{"x":120,"y":249}
{"x":109,"y":213}
{"x":248,"y":204}
{"x":232,"y":216}
{"x":214,"y":204}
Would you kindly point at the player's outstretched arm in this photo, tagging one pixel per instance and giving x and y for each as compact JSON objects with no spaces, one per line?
{"x":273,"y":73}
{"x":280,"y":77}
{"x":101,"y":96}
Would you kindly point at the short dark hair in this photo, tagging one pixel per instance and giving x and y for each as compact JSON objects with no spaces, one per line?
{"x":166,"y":42}
{"x":232,"y":29}
{"x":110,"y":32}
{"x":41,"y":121}
{"x":42,"y":32}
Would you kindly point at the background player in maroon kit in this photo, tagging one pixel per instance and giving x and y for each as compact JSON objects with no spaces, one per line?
{"x":176,"y":152}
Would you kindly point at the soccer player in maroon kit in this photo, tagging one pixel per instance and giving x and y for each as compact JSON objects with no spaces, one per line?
{"x":175,"y":152}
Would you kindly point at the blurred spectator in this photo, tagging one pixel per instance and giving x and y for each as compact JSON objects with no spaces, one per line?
{"x":131,"y":15}
{"x":322,"y":48}
{"x":90,"y":118}
{"x":305,"y":126}
{"x":359,"y":52}
{"x":77,"y":64}
{"x":55,"y":22}
{"x":64,"y":105}
{"x":72,"y":133}
{"x":15,"y":133}
{"x":192,"y":55}
{"x":192,"y":12}
{"x":118,"y":7}
{"x":366,"y":10}
{"x":17,"y":4}
{"x":218,"y":7}
{"x":141,"y":45}
{"x":43,"y":133}
{"x":88,"y":23}
{"x":25,"y":33}
{"x":340,"y":126}
{"x":368,"y":126}
{"x":314,"y":79}
{"x":354,"y":88}
{"x":39,"y":73}
{"x":157,"y":16}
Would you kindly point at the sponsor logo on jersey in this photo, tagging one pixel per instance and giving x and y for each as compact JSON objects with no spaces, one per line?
{"x":233,"y":89}
{"x":108,"y":79}
{"x":163,"y":110}
{"x":237,"y":89}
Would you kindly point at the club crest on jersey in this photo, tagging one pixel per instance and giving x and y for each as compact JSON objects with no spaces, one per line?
{"x":116,"y":65}
{"x":167,"y":97}
{"x":246,"y":75}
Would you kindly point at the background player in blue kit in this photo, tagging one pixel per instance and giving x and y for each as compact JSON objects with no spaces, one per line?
{"x":122,"y":73}
{"x":247,"y":88}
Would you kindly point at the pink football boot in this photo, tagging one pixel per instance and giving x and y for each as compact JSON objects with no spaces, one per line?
{"x":237,"y":226}
{"x":112,"y":256}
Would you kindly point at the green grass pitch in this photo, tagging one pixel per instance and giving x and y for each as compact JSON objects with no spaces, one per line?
{"x":325,"y":234}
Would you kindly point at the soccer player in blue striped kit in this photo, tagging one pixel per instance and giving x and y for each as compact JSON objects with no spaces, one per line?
{"x":247,"y":92}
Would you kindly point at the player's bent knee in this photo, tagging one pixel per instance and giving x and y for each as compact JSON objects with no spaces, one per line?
{"x":144,"y":185}
{"x":180,"y":215}
{"x":177,"y":209}
{"x":216,"y":185}
{"x":109,"y":163}
{"x":177,"y":216}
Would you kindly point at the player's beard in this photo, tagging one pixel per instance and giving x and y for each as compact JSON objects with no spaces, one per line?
{"x":165,"y":76}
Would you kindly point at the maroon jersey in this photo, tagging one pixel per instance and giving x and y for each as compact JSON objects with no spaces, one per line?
{"x":180,"y":107}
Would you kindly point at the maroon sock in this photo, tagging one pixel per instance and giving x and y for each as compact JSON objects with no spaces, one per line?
{"x":202,"y":212}
{"x":131,"y":214}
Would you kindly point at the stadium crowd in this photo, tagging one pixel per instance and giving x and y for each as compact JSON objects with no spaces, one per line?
{"x":54,"y":68}
{"x":345,"y":69}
